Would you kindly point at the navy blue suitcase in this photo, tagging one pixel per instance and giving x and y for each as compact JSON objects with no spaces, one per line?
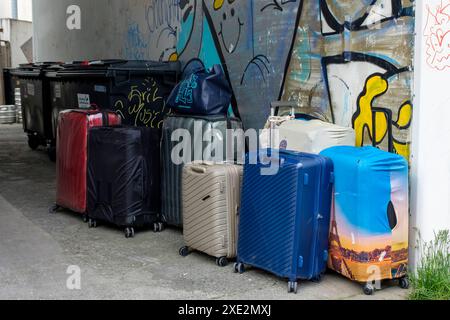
{"x":285,"y":218}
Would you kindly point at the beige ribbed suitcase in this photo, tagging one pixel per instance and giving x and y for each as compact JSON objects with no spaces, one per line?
{"x":210,"y":204}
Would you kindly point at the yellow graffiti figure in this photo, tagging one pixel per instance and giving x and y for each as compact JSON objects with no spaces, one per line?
{"x":404,"y":121}
{"x":375,"y":86}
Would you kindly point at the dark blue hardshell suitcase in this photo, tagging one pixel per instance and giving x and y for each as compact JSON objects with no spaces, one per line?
{"x":285,"y":218}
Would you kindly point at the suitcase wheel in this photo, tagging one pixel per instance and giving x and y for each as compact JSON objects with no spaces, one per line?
{"x":369,"y":289}
{"x":292,"y":287}
{"x":158,"y":227}
{"x":239,"y":268}
{"x":51,"y":152}
{"x":184,"y":251}
{"x":92,"y":223}
{"x":404,"y":283}
{"x":222,"y":261}
{"x":129,"y":233}
{"x":33,"y":142}
{"x":53,"y":209}
{"x":317,"y":278}
{"x":85,"y":218}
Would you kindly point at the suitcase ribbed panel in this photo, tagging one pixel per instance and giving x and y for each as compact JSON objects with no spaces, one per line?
{"x":171,"y":173}
{"x":210,"y":205}
{"x":284,"y":219}
{"x":273,"y":225}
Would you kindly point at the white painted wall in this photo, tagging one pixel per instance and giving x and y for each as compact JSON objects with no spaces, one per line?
{"x":5,"y":9}
{"x":25,"y":9}
{"x":430,"y":172}
{"x":16,"y":32}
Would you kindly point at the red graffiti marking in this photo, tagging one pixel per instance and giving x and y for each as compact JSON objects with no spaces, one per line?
{"x":437,"y":34}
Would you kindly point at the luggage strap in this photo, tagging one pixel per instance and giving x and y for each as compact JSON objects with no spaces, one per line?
{"x":105,"y":116}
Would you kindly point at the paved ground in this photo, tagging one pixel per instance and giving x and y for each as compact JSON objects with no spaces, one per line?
{"x":37,"y":248}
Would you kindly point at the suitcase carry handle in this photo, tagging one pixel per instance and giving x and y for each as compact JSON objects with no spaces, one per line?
{"x":388,"y":114}
{"x":198,"y":169}
{"x":289,"y":152}
{"x":282,"y":152}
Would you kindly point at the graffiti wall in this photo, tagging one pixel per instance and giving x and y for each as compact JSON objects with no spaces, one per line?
{"x":347,"y":62}
{"x":352,"y":65}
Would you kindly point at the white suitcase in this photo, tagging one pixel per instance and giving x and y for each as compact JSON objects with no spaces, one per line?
{"x":210,"y":205}
{"x":309,"y":136}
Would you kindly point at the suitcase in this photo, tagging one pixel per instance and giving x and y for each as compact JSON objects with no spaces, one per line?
{"x":172,"y":172}
{"x":124,"y":177}
{"x":285,"y":218}
{"x":71,"y":166}
{"x":211,"y":199}
{"x":369,"y":228}
{"x":303,"y":133}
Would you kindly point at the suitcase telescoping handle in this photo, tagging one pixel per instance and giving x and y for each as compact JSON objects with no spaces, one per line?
{"x":388,"y":114}
{"x":278,"y":105}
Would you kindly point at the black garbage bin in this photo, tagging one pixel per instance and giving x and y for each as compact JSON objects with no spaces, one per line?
{"x":10,"y":83}
{"x":137,"y":90}
{"x":35,"y":100}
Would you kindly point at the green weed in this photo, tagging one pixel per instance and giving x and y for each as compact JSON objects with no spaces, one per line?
{"x":432,"y":278}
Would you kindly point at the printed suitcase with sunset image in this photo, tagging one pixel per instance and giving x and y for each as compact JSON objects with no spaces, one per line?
{"x":369,"y":219}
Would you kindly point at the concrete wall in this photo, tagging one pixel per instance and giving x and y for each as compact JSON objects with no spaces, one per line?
{"x":104,"y":30}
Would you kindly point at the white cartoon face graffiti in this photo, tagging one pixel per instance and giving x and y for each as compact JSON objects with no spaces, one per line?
{"x":230,"y":26}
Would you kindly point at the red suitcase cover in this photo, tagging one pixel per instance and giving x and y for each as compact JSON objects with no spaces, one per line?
{"x":71,"y":166}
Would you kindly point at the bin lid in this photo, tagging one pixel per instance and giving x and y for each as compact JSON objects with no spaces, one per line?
{"x":36,"y":69}
{"x":108,"y":68}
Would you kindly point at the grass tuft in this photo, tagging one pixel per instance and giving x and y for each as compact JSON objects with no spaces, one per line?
{"x":432,"y":278}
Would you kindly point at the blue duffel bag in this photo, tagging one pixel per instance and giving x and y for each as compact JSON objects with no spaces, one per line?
{"x":201,"y":92}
